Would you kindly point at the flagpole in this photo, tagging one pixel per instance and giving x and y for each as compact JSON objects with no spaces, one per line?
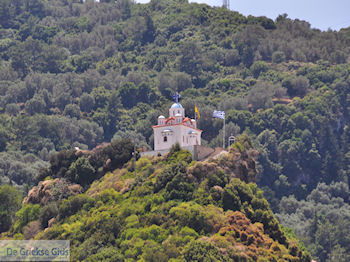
{"x":195,"y":115}
{"x":223,"y":139}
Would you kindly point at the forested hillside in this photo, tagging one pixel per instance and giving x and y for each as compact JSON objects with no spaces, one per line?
{"x":159,"y":209}
{"x":78,"y":74}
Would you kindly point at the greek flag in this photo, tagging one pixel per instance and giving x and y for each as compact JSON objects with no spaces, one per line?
{"x":219,"y":114}
{"x":176,"y":97}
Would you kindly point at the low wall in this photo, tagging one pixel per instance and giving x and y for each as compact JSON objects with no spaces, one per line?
{"x":198,"y":152}
{"x":202,"y":152}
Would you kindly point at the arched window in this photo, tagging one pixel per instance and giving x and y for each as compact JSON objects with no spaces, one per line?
{"x":165,"y":139}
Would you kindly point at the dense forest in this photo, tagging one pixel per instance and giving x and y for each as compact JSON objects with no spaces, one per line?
{"x":78,"y":74}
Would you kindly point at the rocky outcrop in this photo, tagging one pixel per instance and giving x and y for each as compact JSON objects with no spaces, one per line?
{"x":52,"y":190}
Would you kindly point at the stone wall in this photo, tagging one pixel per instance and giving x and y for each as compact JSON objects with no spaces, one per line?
{"x":198,"y":152}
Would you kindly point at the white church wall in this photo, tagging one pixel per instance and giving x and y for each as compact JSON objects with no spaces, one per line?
{"x":173,"y":130}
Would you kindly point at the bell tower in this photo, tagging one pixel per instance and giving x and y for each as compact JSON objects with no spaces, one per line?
{"x":176,"y":109}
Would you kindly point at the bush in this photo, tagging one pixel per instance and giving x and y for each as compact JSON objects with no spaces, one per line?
{"x":82,"y":172}
{"x":106,"y":254}
{"x":203,"y":251}
{"x":278,"y":57}
{"x":48,"y":212}
{"x":10,"y":202}
{"x":72,"y":205}
{"x":25,"y":215}
{"x":258,"y":67}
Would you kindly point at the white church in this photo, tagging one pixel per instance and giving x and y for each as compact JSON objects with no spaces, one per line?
{"x":177,"y":128}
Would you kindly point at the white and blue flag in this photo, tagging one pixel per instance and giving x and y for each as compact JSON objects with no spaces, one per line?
{"x":219,"y":114}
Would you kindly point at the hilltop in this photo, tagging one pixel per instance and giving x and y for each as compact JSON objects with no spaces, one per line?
{"x":163,"y":209}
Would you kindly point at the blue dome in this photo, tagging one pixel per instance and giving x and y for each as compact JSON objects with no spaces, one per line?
{"x":176,"y":105}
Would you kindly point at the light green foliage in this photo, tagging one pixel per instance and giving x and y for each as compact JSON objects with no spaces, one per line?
{"x":26,"y":214}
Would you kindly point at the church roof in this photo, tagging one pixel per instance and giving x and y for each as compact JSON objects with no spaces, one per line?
{"x":176,"y":105}
{"x":169,"y":119}
{"x":179,"y":124}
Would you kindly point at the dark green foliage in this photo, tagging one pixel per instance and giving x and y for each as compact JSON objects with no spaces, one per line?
{"x":106,"y":254}
{"x":81,"y":171}
{"x":86,"y":102}
{"x":278,"y":57}
{"x":190,"y":59}
{"x":180,"y":187}
{"x":84,"y":167}
{"x":10,"y":201}
{"x":119,"y":151}
{"x":327,"y":219}
{"x":48,"y":212}
{"x":238,"y":196}
{"x":130,"y":94}
{"x":297,"y":86}
{"x":168,"y":175}
{"x":72,"y":111}
{"x":60,"y":162}
{"x":258,"y":68}
{"x":201,"y":251}
{"x":73,"y":205}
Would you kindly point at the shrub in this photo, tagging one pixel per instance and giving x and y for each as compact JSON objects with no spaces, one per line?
{"x":74,"y":204}
{"x":258,"y":67}
{"x":81,"y":171}
{"x":25,"y":215}
{"x":278,"y":57}
{"x":47,"y":212}
{"x":203,"y":251}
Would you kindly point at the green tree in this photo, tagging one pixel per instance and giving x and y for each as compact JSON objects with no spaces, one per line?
{"x":26,"y":214}
{"x":191,"y":58}
{"x":86,"y":102}
{"x":81,"y":171}
{"x":10,"y":202}
{"x":72,"y":110}
{"x":259,"y":67}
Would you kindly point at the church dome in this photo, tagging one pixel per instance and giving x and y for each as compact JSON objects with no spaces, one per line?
{"x":161,"y":117}
{"x":176,"y":105}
